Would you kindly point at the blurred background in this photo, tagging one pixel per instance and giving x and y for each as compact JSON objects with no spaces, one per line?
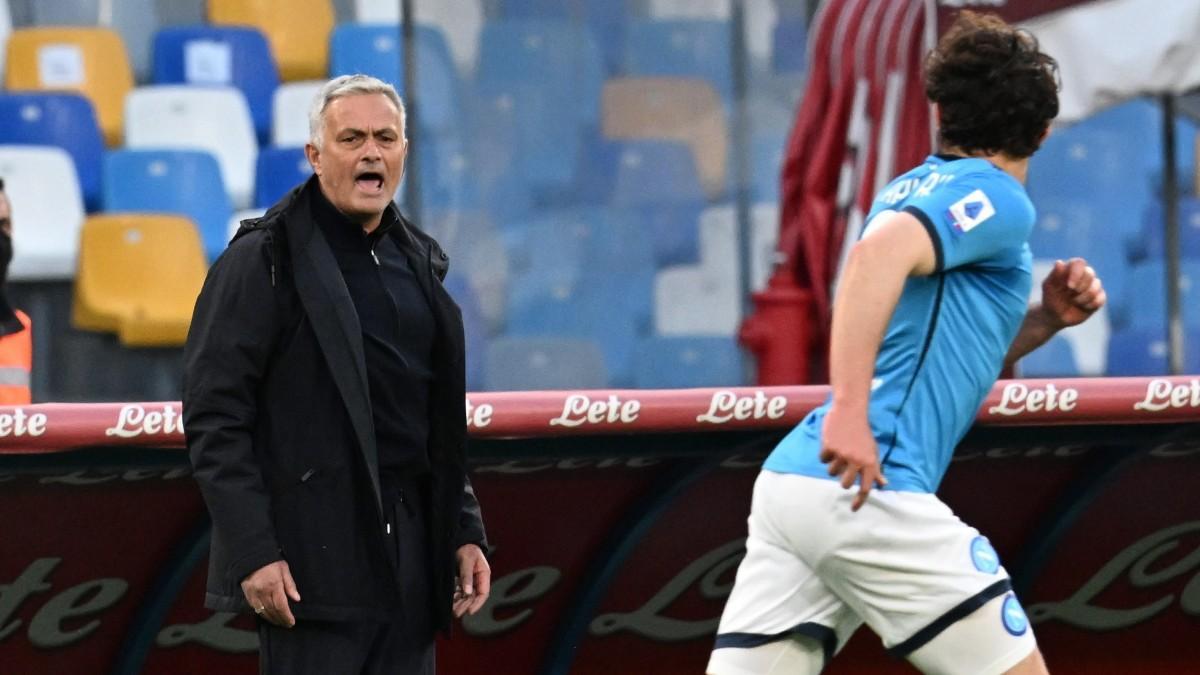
{"x":608,"y":177}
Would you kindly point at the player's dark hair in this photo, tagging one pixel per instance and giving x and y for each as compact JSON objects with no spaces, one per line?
{"x":996,"y":92}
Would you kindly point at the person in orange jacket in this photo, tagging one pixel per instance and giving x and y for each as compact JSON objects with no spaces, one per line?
{"x":16,"y":343}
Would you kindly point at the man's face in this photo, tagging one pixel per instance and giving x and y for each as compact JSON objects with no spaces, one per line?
{"x":361,"y":158}
{"x":5,"y":215}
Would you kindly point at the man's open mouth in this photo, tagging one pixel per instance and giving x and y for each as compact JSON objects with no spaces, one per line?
{"x":369,"y":181}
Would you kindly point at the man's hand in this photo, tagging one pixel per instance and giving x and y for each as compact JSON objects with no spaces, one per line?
{"x":474,"y":581}
{"x":849,"y":448}
{"x":268,"y":589}
{"x":1071,"y":293}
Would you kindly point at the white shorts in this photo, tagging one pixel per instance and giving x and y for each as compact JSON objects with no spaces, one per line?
{"x":904,"y":564}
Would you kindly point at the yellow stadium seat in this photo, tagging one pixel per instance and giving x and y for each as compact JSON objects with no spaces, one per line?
{"x":671,"y":108}
{"x":91,"y":61}
{"x":138,"y":277}
{"x":298,"y":31}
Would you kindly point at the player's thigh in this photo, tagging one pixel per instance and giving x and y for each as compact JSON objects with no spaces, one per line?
{"x":911,"y":569}
{"x":777,"y":597}
{"x":993,"y":640}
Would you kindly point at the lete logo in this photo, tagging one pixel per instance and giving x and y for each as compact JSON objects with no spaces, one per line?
{"x":726,"y":406}
{"x":1018,"y":398}
{"x":578,"y":409}
{"x":134,"y":420}
{"x":17,"y":423}
{"x":1142,"y":565}
{"x":1161,"y":394}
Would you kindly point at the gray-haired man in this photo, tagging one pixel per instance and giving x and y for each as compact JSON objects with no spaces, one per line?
{"x":323,"y":402}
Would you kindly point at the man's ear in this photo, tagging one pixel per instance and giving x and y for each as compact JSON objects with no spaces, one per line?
{"x":314,"y":157}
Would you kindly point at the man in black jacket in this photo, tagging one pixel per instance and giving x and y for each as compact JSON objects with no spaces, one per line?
{"x":323,"y":405}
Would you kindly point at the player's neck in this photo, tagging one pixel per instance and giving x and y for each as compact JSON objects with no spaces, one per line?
{"x":1017,"y":168}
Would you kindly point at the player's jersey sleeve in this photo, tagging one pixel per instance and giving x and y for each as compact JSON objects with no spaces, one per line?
{"x":973,"y":219}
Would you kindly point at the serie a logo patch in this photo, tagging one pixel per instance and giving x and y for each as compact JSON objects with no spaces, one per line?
{"x":968,"y":212}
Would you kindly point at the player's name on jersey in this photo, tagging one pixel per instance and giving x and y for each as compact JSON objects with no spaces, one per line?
{"x":1017,"y":398}
{"x":727,"y":405}
{"x":1164,"y":394}
{"x":580,"y":409}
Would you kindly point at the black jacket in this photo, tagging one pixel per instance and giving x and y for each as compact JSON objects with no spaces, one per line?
{"x":278,"y":420}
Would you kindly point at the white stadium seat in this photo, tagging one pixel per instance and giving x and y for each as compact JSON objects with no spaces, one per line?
{"x":47,"y":211}
{"x":289,"y":112}
{"x":719,"y":247}
{"x":183,"y":117}
{"x":691,"y":300}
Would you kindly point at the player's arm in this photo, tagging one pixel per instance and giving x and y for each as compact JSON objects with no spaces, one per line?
{"x":1071,"y":293}
{"x":876,"y":270}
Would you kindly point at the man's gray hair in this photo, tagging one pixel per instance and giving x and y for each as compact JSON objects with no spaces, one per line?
{"x":349,"y":85}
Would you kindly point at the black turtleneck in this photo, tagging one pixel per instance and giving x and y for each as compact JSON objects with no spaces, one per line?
{"x":398,"y":331}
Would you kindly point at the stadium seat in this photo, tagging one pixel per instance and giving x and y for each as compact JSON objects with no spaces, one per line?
{"x":789,"y":53}
{"x":134,"y":20}
{"x":62,"y":120}
{"x":91,"y":61}
{"x":682,"y":48}
{"x":559,"y":58}
{"x":1142,"y":350}
{"x":459,"y":20}
{"x":690,"y":300}
{"x":604,"y":310}
{"x":719,"y":243}
{"x":541,"y":363}
{"x":377,"y":50}
{"x":139,"y":276}
{"x":216,"y":120}
{"x":47,"y":211}
{"x":1143,"y":303}
{"x":678,"y":109}
{"x":766,"y":166}
{"x":475,"y":248}
{"x":685,"y":362}
{"x":1147,"y":243}
{"x":289,"y":112}
{"x":5,"y":30}
{"x":657,"y":179}
{"x":298,"y":31}
{"x":1069,"y":227}
{"x":182,"y":182}
{"x":279,"y":170}
{"x":527,"y":143}
{"x":220,"y":56}
{"x":1053,"y":359}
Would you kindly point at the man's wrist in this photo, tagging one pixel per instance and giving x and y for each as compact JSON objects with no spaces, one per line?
{"x":1047,"y":319}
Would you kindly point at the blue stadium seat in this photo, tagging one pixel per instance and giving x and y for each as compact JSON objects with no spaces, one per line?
{"x":790,"y":51}
{"x":682,"y":48}
{"x":64,"y":120}
{"x":605,"y":18}
{"x":376,"y":49}
{"x":185,"y":182}
{"x":559,"y":58}
{"x":682,"y":362}
{"x":1147,"y":243}
{"x":474,"y":327}
{"x":1053,"y":359}
{"x":656,"y":182}
{"x":528,"y":140}
{"x":766,"y":163}
{"x":1143,"y":303}
{"x":1142,"y":350}
{"x":233,"y":56}
{"x":1067,"y":228}
{"x":605,"y":311}
{"x":544,"y":363}
{"x":278,"y":170}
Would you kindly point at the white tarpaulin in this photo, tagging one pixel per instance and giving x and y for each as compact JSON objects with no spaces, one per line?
{"x":1113,"y":50}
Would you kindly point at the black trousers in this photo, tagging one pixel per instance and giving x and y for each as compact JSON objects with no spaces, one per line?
{"x":402,"y":646}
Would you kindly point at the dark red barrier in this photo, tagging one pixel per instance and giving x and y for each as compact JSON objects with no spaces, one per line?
{"x":618,"y":520}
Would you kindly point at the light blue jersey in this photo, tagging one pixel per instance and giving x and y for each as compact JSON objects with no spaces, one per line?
{"x":947,"y":339}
